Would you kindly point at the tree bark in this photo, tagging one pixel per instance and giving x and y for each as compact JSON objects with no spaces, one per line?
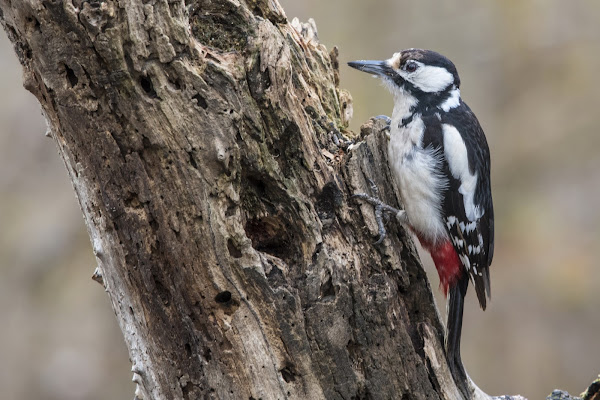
{"x":200,"y":140}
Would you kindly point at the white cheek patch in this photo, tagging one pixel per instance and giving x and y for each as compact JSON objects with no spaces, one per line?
{"x":428,"y":78}
{"x":458,"y":162}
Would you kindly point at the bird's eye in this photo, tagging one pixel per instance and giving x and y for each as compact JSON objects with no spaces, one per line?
{"x":410,"y":67}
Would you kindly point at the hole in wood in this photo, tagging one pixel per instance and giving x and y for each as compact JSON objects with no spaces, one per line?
{"x":147,"y":86}
{"x":71,"y":77}
{"x":207,"y":355}
{"x":223,"y":297}
{"x":327,"y":289}
{"x":200,"y":100}
{"x":288,"y":373}
{"x":233,"y":250}
{"x":270,"y":235}
{"x":193,"y":160}
{"x":33,"y":21}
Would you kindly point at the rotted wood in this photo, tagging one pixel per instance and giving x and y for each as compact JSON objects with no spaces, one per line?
{"x":202,"y":140}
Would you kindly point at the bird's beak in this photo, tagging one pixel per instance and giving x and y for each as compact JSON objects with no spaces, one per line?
{"x":379,"y":68}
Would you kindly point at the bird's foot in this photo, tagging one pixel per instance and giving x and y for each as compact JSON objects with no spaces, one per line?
{"x":380,"y":208}
{"x":338,"y":137}
{"x":386,"y":119}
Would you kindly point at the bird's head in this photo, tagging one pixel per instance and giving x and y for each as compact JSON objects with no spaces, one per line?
{"x":429,"y":77}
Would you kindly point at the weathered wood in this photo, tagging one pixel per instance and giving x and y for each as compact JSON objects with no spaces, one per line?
{"x":199,"y":139}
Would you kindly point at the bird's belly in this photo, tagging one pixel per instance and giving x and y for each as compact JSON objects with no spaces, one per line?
{"x":421,"y":187}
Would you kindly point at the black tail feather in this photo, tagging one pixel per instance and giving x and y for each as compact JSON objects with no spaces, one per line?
{"x":454,"y":328}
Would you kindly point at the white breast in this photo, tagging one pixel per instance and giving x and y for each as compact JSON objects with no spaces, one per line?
{"x":418,"y":178}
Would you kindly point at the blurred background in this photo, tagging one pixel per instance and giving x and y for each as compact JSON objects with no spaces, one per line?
{"x":529,"y":70}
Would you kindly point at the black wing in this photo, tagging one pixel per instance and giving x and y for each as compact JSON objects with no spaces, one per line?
{"x":473,"y":238}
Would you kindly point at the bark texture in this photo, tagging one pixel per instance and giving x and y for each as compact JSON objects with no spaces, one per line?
{"x":199,"y":137}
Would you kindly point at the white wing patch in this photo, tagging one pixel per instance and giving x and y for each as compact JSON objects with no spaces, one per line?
{"x":470,"y":227}
{"x":451,"y":220}
{"x":464,"y":250}
{"x":458,"y":162}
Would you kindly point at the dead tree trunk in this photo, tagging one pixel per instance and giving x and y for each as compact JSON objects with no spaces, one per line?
{"x":198,"y":136}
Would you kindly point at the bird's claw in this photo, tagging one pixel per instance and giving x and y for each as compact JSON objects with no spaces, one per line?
{"x":379,"y":207}
{"x":386,"y":119}
{"x":338,"y":137}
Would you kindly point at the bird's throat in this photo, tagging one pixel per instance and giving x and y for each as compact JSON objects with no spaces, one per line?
{"x":404,"y":107}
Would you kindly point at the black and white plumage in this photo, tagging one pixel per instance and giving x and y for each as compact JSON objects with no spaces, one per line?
{"x":440,"y":161}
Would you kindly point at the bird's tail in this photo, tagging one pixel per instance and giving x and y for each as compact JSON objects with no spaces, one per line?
{"x":454,"y":328}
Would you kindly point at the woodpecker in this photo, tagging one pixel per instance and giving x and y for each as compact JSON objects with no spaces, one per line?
{"x":440,"y":161}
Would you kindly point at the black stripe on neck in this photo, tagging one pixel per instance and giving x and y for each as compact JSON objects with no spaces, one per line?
{"x":406,"y":121}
